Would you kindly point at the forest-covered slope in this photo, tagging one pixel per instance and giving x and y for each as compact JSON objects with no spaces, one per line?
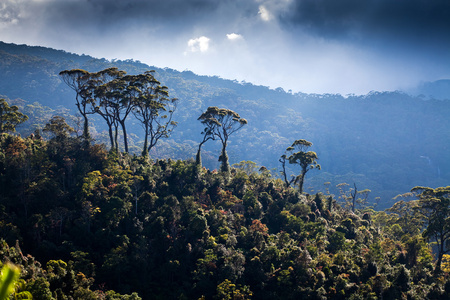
{"x":166,"y":229}
{"x":387,"y":142}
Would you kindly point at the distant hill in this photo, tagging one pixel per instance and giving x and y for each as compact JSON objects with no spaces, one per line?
{"x":439,"y":89}
{"x":388,"y":142}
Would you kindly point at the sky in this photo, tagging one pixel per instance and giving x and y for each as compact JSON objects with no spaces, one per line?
{"x":310,"y":46}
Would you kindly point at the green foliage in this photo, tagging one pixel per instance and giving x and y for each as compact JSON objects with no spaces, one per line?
{"x":434,"y":207}
{"x":10,"y":117}
{"x":220,"y":123}
{"x":9,"y":275}
{"x":372,"y":145}
{"x":58,"y":127}
{"x":163,"y":229}
{"x":114,"y":96}
{"x":306,"y":160}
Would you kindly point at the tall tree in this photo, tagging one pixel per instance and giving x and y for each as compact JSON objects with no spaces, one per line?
{"x":108,"y":94}
{"x":208,"y":134}
{"x":85,"y":85}
{"x":81,"y":82}
{"x":282,"y":160}
{"x":306,"y":159}
{"x":153,"y":108}
{"x":434,"y":205}
{"x":223,"y":122}
{"x":111,"y":103}
{"x":10,"y":117}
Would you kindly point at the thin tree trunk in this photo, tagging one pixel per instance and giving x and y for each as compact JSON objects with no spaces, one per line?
{"x":145,"y":150}
{"x":116,"y":138}
{"x":198,"y":157}
{"x":441,"y":250}
{"x":125,"y":138}
{"x":302,"y":179}
{"x":283,"y":165}
{"x":224,"y":159}
{"x":86,"y":127}
{"x":111,"y":137}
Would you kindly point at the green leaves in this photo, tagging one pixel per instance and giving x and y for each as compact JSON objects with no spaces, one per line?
{"x":220,"y":123}
{"x":10,"y":274}
{"x":10,"y":117}
{"x":306,"y":160}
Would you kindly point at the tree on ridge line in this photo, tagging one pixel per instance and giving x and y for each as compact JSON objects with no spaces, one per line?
{"x":220,"y":123}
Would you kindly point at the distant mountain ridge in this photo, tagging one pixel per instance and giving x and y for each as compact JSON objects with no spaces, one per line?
{"x":439,"y":89}
{"x":376,"y":140}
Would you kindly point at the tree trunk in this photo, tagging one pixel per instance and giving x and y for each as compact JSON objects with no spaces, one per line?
{"x":302,"y":179}
{"x":111,"y":137}
{"x":198,"y":158}
{"x":85,"y":127}
{"x":145,"y":150}
{"x":125,"y":138}
{"x":224,"y":159}
{"x":283,"y":165}
{"x":116,"y":139}
{"x":437,"y":268}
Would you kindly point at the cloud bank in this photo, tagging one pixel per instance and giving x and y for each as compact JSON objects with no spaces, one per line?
{"x":347,"y":46}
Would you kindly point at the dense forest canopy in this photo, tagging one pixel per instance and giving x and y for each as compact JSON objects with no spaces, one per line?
{"x":382,"y":141}
{"x":100,"y":224}
{"x":116,"y":222}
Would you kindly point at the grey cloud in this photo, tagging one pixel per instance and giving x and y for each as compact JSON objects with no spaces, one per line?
{"x":353,"y":52}
{"x":9,"y":12}
{"x":411,"y":21}
{"x":113,"y":10}
{"x":170,"y":14}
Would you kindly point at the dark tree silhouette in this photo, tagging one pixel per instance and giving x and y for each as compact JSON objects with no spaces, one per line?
{"x":222,"y":123}
{"x":153,"y":108}
{"x":306,"y":160}
{"x":208,"y":134}
{"x":79,"y":80}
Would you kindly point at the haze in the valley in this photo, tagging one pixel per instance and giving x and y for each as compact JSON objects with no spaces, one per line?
{"x":313,"y":46}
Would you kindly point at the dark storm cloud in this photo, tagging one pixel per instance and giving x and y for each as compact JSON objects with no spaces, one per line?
{"x":114,"y":10}
{"x":411,"y":21}
{"x":345,"y":46}
{"x":170,"y":14}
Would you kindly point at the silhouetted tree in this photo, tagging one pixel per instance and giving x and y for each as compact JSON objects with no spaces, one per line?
{"x":223,"y":122}
{"x":108,"y":97}
{"x":78,"y":80}
{"x":153,"y":108}
{"x":86,"y":86}
{"x":208,"y":134}
{"x":306,"y":160}
{"x":282,"y":160}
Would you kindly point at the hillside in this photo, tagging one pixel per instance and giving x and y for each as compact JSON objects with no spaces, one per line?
{"x":86,"y":224}
{"x":387,"y":142}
